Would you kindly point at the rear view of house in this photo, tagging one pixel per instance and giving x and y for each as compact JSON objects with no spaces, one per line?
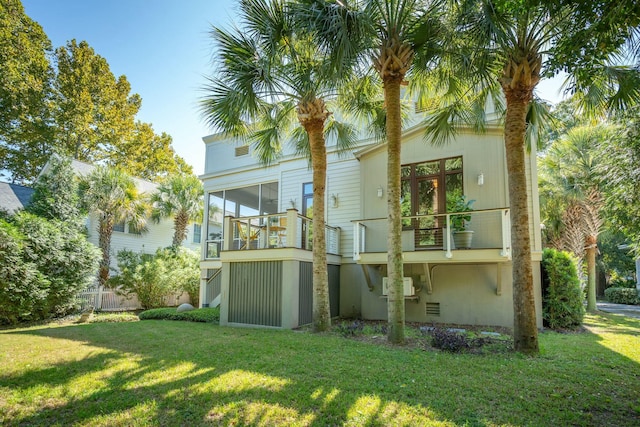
{"x":256,"y":258}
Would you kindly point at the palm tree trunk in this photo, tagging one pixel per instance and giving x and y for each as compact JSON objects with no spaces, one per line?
{"x":312,"y":116}
{"x":180,"y":223}
{"x":105,"y":230}
{"x":591,"y":273}
{"x":525,"y":331}
{"x":395,"y":304}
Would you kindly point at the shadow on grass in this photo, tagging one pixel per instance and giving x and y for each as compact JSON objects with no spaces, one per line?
{"x":175,"y":373}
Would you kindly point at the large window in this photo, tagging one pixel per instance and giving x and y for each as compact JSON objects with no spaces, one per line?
{"x":427,"y":189}
{"x":254,"y":200}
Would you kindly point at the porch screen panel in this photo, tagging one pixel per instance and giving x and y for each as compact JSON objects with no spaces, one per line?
{"x":305,"y":298}
{"x":255,"y":293}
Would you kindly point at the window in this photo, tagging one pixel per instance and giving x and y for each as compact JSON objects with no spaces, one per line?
{"x":197,"y":232}
{"x":426,"y":189}
{"x":307,"y":210}
{"x":260,"y":199}
{"x":307,"y":199}
{"x":129,"y":228}
{"x":133,"y":229}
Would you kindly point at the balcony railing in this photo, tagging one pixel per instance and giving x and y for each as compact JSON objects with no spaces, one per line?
{"x":281,"y":230}
{"x":491,"y":230}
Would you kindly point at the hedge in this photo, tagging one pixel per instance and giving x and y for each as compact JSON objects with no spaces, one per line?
{"x":621,"y":295}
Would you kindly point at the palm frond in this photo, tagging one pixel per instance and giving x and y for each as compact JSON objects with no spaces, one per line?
{"x":345,"y":135}
{"x":539,"y":121}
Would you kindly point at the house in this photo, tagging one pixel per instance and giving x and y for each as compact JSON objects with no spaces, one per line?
{"x":158,"y":236}
{"x":14,"y":197}
{"x":256,"y":258}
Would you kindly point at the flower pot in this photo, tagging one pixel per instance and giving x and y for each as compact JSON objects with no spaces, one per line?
{"x":462,"y":239}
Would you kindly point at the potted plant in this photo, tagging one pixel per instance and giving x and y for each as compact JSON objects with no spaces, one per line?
{"x":461,"y":235}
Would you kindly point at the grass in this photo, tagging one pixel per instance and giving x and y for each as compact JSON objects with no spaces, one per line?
{"x":184,"y":373}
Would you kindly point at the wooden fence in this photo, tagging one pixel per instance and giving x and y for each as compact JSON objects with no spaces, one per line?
{"x":105,"y":299}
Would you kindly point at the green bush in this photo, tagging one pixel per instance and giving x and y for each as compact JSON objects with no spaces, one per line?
{"x":43,"y":265}
{"x":144,"y":275}
{"x":562,"y":303}
{"x":153,"y":277}
{"x":62,"y":253}
{"x":23,"y":289}
{"x":623,"y":283}
{"x":184,"y":271}
{"x":622,"y":295}
{"x":207,"y":315}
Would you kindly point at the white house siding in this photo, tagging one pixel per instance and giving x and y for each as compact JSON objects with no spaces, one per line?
{"x":158,"y":236}
{"x":343,"y":180}
{"x":293,"y":174}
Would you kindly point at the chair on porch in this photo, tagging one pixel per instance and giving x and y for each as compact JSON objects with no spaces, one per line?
{"x":247,"y":238}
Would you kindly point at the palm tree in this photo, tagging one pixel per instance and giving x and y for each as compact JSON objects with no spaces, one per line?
{"x":512,"y":46}
{"x":112,"y":196}
{"x":400,"y":39}
{"x":570,"y":173}
{"x":180,"y":197}
{"x":269,"y":78}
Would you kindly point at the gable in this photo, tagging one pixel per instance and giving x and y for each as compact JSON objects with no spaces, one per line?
{"x":14,"y":197}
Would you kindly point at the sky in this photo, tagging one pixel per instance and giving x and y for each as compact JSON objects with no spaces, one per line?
{"x":161,"y":46}
{"x":164,"y":49}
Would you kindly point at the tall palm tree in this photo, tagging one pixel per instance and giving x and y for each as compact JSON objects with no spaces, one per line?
{"x":269,"y":78}
{"x":512,"y":46}
{"x":399,"y":39}
{"x":111,"y":194}
{"x":180,"y":197}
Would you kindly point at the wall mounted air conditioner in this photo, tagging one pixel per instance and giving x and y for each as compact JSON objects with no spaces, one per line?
{"x":407,"y":283}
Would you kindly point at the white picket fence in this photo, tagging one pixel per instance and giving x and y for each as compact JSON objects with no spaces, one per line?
{"x":105,"y":299}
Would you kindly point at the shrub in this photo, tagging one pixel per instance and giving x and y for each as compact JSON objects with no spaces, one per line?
{"x":622,"y":295}
{"x":43,"y":266}
{"x":144,"y":275}
{"x":623,"y":283}
{"x":62,"y":253}
{"x":562,"y":305}
{"x":207,"y":315}
{"x":350,"y":329}
{"x":448,"y":340}
{"x":22,"y":287}
{"x":153,"y":277}
{"x":184,"y":271}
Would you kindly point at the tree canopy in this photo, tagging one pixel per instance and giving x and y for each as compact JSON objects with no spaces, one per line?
{"x":67,"y":100}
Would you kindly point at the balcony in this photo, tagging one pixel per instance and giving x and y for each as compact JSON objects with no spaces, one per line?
{"x":427,"y":239}
{"x":289,"y":230}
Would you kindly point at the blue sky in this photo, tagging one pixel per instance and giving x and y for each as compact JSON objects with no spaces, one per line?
{"x":163,"y":48}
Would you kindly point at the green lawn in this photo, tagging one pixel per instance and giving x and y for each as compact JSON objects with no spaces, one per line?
{"x":188,"y":374}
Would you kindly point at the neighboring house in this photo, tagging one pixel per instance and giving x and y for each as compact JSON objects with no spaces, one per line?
{"x":14,"y":197}
{"x":256,"y":258}
{"x":158,"y":235}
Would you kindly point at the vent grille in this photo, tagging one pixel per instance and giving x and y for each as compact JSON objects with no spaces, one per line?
{"x":432,"y":308}
{"x":242,"y":150}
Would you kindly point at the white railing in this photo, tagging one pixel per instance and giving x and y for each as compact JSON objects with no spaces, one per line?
{"x":491,"y":230}
{"x":280,"y":230}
